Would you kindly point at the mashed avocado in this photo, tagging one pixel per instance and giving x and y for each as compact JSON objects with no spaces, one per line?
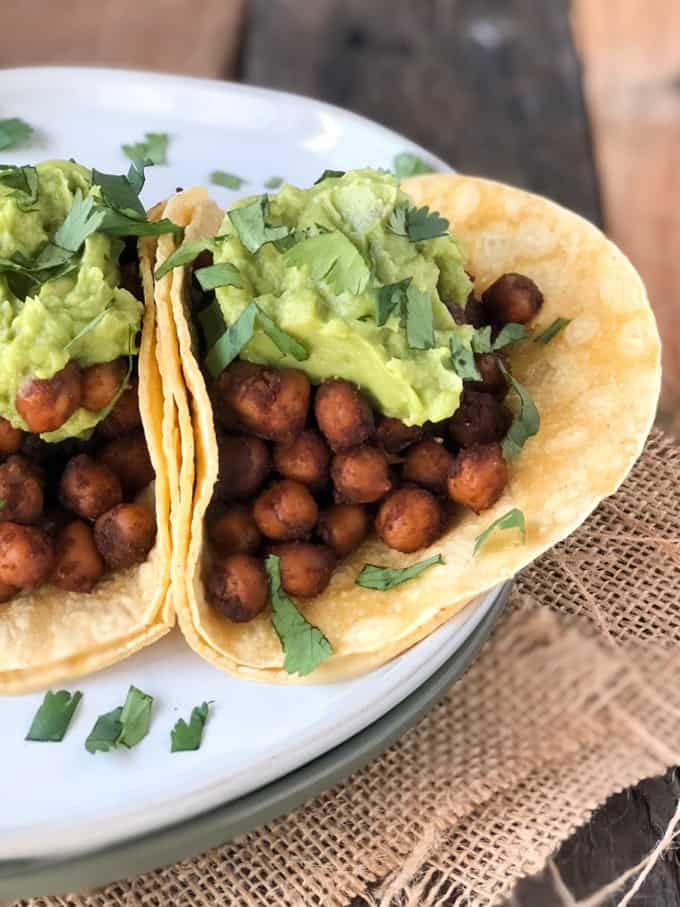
{"x":318,"y":284}
{"x":39,"y":333}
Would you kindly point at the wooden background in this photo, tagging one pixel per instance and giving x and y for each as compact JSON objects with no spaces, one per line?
{"x":579,"y":101}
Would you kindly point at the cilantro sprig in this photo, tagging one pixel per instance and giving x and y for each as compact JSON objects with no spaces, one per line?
{"x":417,"y":224}
{"x":125,"y":726}
{"x":304,"y":645}
{"x":373,"y":576}
{"x":250,"y":222}
{"x":513,"y":519}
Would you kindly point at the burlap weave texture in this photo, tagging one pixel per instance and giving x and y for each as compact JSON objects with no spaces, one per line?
{"x":576,"y":696}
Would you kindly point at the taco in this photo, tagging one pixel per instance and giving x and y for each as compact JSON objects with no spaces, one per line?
{"x":387,"y":420}
{"x":84,"y":497}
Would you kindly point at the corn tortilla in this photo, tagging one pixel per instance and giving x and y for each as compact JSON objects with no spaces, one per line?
{"x":596,"y":386}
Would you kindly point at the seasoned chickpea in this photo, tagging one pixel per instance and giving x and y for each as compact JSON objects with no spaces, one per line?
{"x":124,"y":535}
{"x":513,"y":297}
{"x":343,"y":415}
{"x":478,"y":476}
{"x":77,"y":563}
{"x":236,"y":586}
{"x":428,"y":464}
{"x":21,"y":491}
{"x":89,"y":488}
{"x":493,"y":381}
{"x":234,"y":530}
{"x":480,"y":419}
{"x":409,"y":519}
{"x":128,"y":457}
{"x":10,"y":438}
{"x":125,"y":416}
{"x":361,"y":475}
{"x":101,"y":383}
{"x":305,"y":459}
{"x":26,"y":555}
{"x":244,"y":464}
{"x":285,"y":511}
{"x":306,"y":569}
{"x":46,"y":403}
{"x":393,"y":435}
{"x":7,"y":592}
{"x":343,"y":527}
{"x":271,"y":403}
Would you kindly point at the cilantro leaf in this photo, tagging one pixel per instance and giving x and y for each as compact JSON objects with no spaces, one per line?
{"x":81,"y":221}
{"x":232,"y":341}
{"x":228,"y":180}
{"x":382,"y":578}
{"x":120,"y":192}
{"x":13,"y":132}
{"x":408,"y":164}
{"x":284,"y":341}
{"x":183,"y":255}
{"x":52,"y":719}
{"x":552,"y":330}
{"x":274,"y":182}
{"x":104,"y":735}
{"x":390,"y":300}
{"x":481,"y":340}
{"x":418,"y":224}
{"x":331,"y":257}
{"x":154,"y":148}
{"x":185,"y":737}
{"x":527,"y":421}
{"x":463,"y":360}
{"x":513,"y":519}
{"x":219,"y":275}
{"x":251,"y":226}
{"x":135,"y":717}
{"x":116,"y":223}
{"x":329,"y":174}
{"x":419,"y":326}
{"x":24,"y":181}
{"x":90,"y":326}
{"x":212,"y":323}
{"x":304,"y":645}
{"x":510,"y":333}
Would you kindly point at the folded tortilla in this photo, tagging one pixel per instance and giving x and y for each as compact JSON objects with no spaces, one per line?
{"x":48,"y":635}
{"x":596,"y":386}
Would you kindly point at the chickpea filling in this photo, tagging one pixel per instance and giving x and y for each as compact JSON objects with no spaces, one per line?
{"x":308,"y":472}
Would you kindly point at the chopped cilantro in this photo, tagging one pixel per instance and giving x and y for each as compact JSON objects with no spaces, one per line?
{"x":185,"y":737}
{"x":52,"y":719}
{"x":513,"y":519}
{"x":232,"y":341}
{"x":14,"y":131}
{"x":417,"y":224}
{"x":383,"y":578}
{"x":527,"y":421}
{"x":183,"y":255}
{"x":304,"y":645}
{"x":408,"y":164}
{"x":121,"y":192}
{"x":390,"y":300}
{"x":274,"y":182}
{"x":154,"y":148}
{"x":24,"y":181}
{"x":104,"y":735}
{"x":288,"y":345}
{"x":250,"y":223}
{"x":329,"y":174}
{"x":552,"y":330}
{"x":228,"y":180}
{"x":463,"y":360}
{"x":81,"y":221}
{"x":419,"y":327}
{"x":219,"y":275}
{"x":125,"y":726}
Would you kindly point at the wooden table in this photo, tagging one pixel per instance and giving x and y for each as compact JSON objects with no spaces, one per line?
{"x":494,"y":87}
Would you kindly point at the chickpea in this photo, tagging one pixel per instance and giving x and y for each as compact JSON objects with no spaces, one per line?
{"x":10,"y":438}
{"x":46,"y":403}
{"x":361,"y":475}
{"x":245,"y":463}
{"x":237,"y":587}
{"x":124,"y":535}
{"x":21,"y":491}
{"x":304,"y":459}
{"x":393,"y":435}
{"x":343,"y":527}
{"x":512,"y":298}
{"x":125,"y":416}
{"x":234,"y":530}
{"x":77,"y":564}
{"x":26,"y":555}
{"x":428,"y":464}
{"x":101,"y":383}
{"x":480,"y":419}
{"x":88,"y":488}
{"x":478,"y":476}
{"x":128,"y":457}
{"x":409,"y":519}
{"x":306,"y":569}
{"x":343,"y":415}
{"x":285,"y":511}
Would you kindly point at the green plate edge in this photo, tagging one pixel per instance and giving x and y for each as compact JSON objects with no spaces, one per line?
{"x":186,"y":839}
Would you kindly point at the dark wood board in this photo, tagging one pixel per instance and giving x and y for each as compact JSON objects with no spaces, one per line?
{"x":494,"y":87}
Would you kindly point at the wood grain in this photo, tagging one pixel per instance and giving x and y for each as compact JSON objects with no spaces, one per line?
{"x":493,"y":88}
{"x":631,"y":53}
{"x":201,"y":39}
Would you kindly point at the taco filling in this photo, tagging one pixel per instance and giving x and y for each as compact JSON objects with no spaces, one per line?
{"x":75,"y":464}
{"x":358,"y":386}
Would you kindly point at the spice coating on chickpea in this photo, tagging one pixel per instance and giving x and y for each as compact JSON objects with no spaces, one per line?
{"x":409,"y":519}
{"x":478,"y":476}
{"x":101,"y":383}
{"x":77,"y":563}
{"x":343,"y":527}
{"x":234,"y":530}
{"x":128,"y":457}
{"x":427,"y":464}
{"x":512,"y":298}
{"x":343,"y":415}
{"x":480,"y":419}
{"x":21,"y":491}
{"x":361,"y":475}
{"x":244,"y":464}
{"x":285,"y":511}
{"x":304,"y":459}
{"x":26,"y":555}
{"x":88,"y":488}
{"x":237,"y":587}
{"x":46,"y":403}
{"x":10,"y":438}
{"x":124,"y":535}
{"x":306,"y":569}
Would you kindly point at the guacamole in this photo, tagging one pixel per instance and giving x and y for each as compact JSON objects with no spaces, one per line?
{"x":326,"y":251}
{"x":83,"y":315}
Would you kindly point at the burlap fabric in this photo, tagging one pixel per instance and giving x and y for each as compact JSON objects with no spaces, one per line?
{"x":577,"y":695}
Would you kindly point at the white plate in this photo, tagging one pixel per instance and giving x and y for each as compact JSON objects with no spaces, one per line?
{"x":58,"y":799}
